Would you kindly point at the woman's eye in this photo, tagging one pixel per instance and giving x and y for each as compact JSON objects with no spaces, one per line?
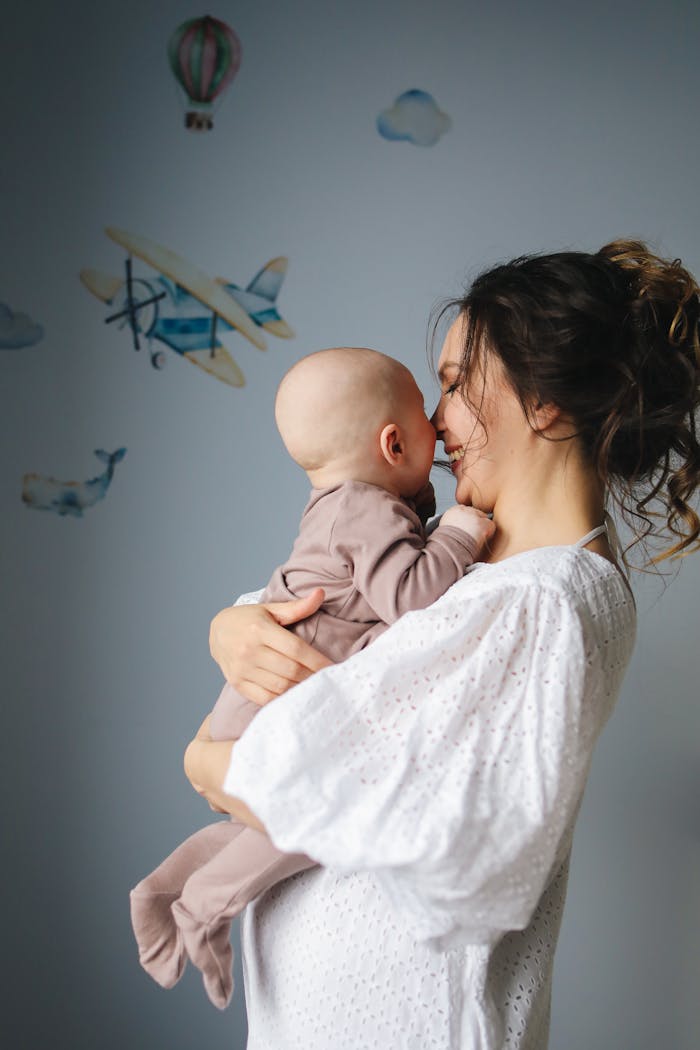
{"x":451,"y":388}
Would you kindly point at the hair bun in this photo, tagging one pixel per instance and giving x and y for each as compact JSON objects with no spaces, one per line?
{"x":655,"y":437}
{"x":661,"y":288}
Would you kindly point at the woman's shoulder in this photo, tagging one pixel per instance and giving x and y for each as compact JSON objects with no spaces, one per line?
{"x":565,"y":569}
{"x":587,"y":585}
{"x":557,"y":610}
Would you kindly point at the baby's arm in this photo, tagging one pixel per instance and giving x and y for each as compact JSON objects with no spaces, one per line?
{"x":393,"y":565}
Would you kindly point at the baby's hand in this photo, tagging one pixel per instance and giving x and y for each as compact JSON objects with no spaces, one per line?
{"x":470,"y":520}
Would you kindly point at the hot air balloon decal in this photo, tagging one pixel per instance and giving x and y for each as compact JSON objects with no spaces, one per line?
{"x":204,"y":55}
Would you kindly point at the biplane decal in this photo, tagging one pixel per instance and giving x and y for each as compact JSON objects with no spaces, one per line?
{"x":185,"y":310}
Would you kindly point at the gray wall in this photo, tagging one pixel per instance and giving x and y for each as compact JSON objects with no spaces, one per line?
{"x":571,"y":124}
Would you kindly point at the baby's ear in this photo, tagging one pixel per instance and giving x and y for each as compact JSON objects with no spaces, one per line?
{"x":391,"y":444}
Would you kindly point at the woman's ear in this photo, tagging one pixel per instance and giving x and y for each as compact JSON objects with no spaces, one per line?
{"x":391,"y":444}
{"x":543,"y":416}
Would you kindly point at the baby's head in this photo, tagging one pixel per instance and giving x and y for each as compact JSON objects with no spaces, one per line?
{"x":353,"y":414}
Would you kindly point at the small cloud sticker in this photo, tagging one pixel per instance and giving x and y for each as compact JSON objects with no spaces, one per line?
{"x":17,"y":330}
{"x":414,"y":117}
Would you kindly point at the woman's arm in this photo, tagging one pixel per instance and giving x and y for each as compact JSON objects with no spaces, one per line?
{"x":206,"y":763}
{"x":261,"y":659}
{"x":448,"y":758}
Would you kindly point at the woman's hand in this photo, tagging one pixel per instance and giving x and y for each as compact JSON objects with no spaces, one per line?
{"x":257,"y":655}
{"x":206,"y":765}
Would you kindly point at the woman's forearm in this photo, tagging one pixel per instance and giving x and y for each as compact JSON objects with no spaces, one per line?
{"x":206,"y":765}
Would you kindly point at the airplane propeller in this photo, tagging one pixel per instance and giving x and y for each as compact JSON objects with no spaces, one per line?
{"x":212,"y":344}
{"x":131,"y":311}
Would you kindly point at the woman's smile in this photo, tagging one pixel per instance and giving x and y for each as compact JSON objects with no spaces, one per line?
{"x":455,"y":454}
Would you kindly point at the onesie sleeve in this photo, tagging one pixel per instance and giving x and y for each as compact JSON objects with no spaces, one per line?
{"x":448,"y":758}
{"x":392,"y":564}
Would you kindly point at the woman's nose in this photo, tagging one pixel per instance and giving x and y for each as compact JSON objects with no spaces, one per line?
{"x":436,"y":418}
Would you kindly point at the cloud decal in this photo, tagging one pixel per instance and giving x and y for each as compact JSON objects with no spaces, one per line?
{"x":414,"y":117}
{"x":17,"y":330}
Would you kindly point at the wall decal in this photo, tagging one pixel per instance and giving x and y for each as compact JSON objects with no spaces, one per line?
{"x":184,"y":309}
{"x":204,"y":55}
{"x":415,"y":118}
{"x":17,"y":330}
{"x":70,"y":497}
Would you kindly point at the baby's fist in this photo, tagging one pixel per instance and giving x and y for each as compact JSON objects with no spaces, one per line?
{"x":470,"y":520}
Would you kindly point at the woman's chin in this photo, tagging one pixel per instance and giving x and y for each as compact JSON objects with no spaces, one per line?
{"x":463,"y":490}
{"x":469,"y":496}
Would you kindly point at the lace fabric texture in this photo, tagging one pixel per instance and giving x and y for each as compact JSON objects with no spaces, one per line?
{"x":436,"y":776}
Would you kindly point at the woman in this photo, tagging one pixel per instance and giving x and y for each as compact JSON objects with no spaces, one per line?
{"x":437,"y":775}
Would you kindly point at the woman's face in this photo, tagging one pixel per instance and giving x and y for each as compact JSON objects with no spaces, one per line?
{"x":483,"y":427}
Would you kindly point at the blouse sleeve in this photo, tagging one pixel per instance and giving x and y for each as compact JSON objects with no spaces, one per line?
{"x":448,"y":758}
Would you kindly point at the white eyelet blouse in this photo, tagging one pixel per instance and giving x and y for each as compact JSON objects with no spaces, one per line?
{"x":436,"y":776}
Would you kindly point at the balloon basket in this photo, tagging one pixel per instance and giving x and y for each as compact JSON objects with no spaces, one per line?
{"x":198,"y":121}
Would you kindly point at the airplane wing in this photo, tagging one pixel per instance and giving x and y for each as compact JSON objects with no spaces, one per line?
{"x":194,"y":281}
{"x":221,"y":364}
{"x":102,"y":285}
{"x":267,"y":282}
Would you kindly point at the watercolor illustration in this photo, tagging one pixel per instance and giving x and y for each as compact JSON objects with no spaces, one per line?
{"x":17,"y":330}
{"x":185,"y":310}
{"x":71,"y":498}
{"x":414,"y":117}
{"x":204,"y":55}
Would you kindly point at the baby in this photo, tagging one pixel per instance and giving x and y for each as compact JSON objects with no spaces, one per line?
{"x":354,"y":419}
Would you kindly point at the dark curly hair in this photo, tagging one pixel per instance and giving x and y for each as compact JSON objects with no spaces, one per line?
{"x":611,"y":339}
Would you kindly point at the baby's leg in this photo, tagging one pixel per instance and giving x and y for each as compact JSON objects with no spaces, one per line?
{"x":231,"y":715}
{"x":161,"y":951}
{"x":217,"y":892}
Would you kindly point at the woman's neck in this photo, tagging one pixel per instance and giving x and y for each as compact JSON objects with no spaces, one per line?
{"x":556,"y":502}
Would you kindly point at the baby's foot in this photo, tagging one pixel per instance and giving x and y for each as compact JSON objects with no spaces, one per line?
{"x":161,"y":952}
{"x":161,"y":949}
{"x":208,"y":946}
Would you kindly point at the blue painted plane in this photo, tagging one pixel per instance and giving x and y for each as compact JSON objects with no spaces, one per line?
{"x":185,"y":310}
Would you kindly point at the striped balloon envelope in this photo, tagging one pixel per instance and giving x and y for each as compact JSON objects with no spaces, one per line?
{"x":204,"y":55}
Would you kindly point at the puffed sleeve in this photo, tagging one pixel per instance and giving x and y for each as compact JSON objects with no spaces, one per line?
{"x":449,"y":757}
